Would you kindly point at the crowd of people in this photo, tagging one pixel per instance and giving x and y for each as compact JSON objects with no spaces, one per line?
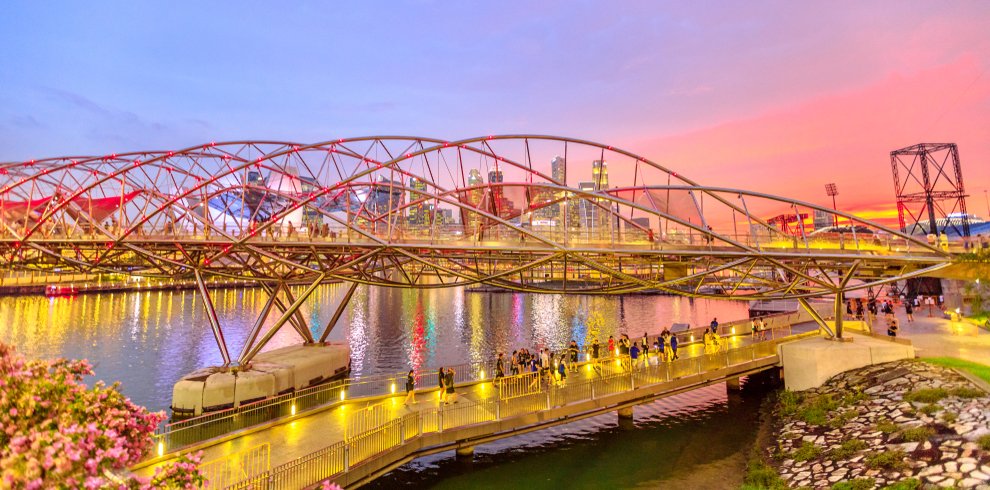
{"x":553,"y":366}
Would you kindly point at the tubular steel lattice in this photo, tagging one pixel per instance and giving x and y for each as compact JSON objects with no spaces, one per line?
{"x":530,"y":213}
{"x":523,"y":212}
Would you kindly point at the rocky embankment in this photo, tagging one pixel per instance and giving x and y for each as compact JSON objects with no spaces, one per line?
{"x":905,"y":424}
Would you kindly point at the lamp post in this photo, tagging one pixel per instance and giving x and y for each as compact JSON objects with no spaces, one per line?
{"x":833,"y":191}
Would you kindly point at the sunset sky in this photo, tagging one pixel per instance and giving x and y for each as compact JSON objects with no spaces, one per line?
{"x":781,"y":97}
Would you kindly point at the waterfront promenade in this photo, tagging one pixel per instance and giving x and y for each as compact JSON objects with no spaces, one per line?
{"x":359,"y":439}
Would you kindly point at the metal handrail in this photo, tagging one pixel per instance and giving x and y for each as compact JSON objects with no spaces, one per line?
{"x":390,"y":434}
{"x":170,"y":437}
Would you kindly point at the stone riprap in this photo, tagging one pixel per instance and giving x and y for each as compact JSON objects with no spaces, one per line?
{"x":914,"y":420}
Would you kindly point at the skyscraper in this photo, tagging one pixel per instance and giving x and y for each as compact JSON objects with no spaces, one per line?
{"x":599,"y":174}
{"x":474,"y":197}
{"x":417,"y":212}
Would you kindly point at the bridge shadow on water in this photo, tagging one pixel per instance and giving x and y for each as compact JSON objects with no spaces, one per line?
{"x":698,"y":439}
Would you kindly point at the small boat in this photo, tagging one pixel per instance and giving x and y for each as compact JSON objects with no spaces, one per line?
{"x":53,"y":290}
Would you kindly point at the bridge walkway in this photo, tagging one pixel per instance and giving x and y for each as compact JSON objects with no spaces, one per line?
{"x":320,"y":444}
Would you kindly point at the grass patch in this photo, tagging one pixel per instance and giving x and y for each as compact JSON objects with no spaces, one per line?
{"x":930,"y":409}
{"x":857,"y":484}
{"x":851,"y":398}
{"x":906,"y":484}
{"x":885,"y":460}
{"x":815,"y":410}
{"x":761,"y":476}
{"x":847,"y":449}
{"x":949,"y":417}
{"x":984,"y":442}
{"x":967,"y":392}
{"x":981,"y":371}
{"x":838,"y":420}
{"x":918,"y":434}
{"x":788,"y":402}
{"x":926,"y":395}
{"x":806,"y":452}
{"x":886,"y":426}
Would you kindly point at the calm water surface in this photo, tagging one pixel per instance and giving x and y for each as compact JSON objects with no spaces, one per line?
{"x":148,"y":340}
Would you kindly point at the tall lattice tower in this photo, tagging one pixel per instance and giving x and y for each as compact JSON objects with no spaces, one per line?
{"x":928,"y":183}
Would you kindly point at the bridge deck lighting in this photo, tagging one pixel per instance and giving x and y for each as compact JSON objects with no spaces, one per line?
{"x":161,"y":448}
{"x":343,"y":395}
{"x":392,"y":388}
{"x":293,"y":410}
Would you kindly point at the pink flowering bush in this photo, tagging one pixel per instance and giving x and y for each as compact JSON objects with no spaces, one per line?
{"x":55,"y":432}
{"x":329,"y":486}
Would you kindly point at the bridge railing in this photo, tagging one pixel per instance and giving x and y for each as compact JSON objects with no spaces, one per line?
{"x":183,"y":433}
{"x":392,"y":433}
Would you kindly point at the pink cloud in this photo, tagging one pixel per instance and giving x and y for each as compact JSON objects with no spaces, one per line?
{"x":844,"y":138}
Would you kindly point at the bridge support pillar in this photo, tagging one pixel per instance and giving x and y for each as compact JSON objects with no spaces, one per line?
{"x":733,"y":384}
{"x":840,"y":305}
{"x":465,"y":453}
{"x":626,"y":418}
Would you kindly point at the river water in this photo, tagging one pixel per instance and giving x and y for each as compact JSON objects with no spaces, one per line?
{"x":148,"y":339}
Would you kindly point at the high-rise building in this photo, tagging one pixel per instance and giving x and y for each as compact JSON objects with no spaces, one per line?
{"x":417,"y":212}
{"x":386,"y":195}
{"x":558,"y":169}
{"x":474,"y":197}
{"x":599,"y":174}
{"x":502,"y":206}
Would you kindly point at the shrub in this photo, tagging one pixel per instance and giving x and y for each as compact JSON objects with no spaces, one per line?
{"x":984,"y":442}
{"x":926,"y":395}
{"x":886,"y":460}
{"x":59,"y":433}
{"x":967,"y":392}
{"x":886,"y":426}
{"x":838,"y":420}
{"x":789,"y":402}
{"x":949,"y":417}
{"x":930,"y":409}
{"x":852,"y":398}
{"x":806,"y":452}
{"x":857,"y":484}
{"x":761,"y":476}
{"x":814,"y":410}
{"x":847,"y":449}
{"x":918,"y":434}
{"x":906,"y":484}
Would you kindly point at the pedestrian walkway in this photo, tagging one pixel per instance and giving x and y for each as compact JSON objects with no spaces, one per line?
{"x":298,"y":438}
{"x":937,"y":336}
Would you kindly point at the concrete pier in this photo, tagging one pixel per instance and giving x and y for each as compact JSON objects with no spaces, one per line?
{"x":810,"y":362}
{"x":464,"y":454}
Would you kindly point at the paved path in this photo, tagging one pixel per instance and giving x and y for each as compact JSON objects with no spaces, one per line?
{"x":938,"y":337}
{"x":309,"y":433}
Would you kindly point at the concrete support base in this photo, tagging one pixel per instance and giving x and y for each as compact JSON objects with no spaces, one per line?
{"x":733,"y":384}
{"x":464,"y":453}
{"x":271,"y":373}
{"x":626,"y":418}
{"x":810,"y":362}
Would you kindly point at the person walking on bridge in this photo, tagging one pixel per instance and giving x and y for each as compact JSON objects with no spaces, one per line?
{"x":909,"y":309}
{"x":441,"y":382}
{"x":673,"y":345}
{"x":499,"y":368}
{"x":410,"y":386}
{"x":449,"y":384}
{"x":572,"y":351}
{"x":714,"y":325}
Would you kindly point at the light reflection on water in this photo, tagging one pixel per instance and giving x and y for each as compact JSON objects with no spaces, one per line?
{"x":149,"y":339}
